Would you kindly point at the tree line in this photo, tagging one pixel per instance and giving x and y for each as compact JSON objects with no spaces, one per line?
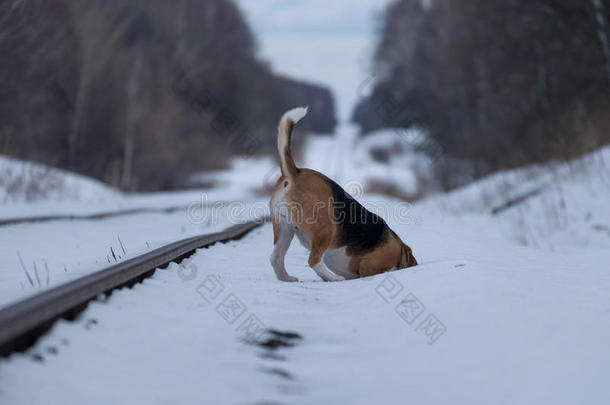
{"x":495,"y":83}
{"x":140,"y":93}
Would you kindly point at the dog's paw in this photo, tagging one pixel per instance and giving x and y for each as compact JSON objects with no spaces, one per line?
{"x":336,"y":278}
{"x":289,"y":279}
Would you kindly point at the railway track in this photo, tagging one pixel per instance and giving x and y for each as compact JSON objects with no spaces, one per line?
{"x":101,"y":215}
{"x":90,"y":217}
{"x":23,"y":322}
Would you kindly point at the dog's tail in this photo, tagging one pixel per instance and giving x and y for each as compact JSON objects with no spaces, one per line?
{"x":284,"y":133}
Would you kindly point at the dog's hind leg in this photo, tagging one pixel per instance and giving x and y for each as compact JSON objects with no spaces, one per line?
{"x":283,"y":234}
{"x":315,"y":262}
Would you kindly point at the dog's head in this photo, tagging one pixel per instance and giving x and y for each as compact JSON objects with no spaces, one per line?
{"x":407,"y":259}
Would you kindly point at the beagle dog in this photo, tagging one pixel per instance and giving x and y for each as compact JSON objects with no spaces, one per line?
{"x":345,"y":240}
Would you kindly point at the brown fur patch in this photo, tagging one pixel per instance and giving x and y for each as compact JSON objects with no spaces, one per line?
{"x":386,"y":257}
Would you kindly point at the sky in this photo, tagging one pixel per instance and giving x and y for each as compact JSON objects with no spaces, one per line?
{"x":322,"y":41}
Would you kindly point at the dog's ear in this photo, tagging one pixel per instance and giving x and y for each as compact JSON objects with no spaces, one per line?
{"x":407,"y":259}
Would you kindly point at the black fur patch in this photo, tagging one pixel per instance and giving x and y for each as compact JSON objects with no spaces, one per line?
{"x":361,"y":230}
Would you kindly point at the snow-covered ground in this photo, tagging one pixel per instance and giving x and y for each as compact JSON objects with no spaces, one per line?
{"x":567,"y":208}
{"x":389,"y":161}
{"x":480,"y":320}
{"x":39,"y":255}
{"x":512,"y":308}
{"x":23,"y":181}
{"x":32,"y":190}
{"x":55,"y":252}
{"x":507,"y":308}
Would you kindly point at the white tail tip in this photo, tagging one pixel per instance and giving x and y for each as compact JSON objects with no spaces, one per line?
{"x":296,"y":114}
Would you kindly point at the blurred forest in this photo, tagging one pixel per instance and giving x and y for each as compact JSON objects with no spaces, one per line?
{"x":140,"y":93}
{"x":496,"y":83}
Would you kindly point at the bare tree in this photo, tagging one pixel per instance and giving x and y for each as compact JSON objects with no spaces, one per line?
{"x":497,"y":83}
{"x":139,"y":93}
{"x":97,"y":42}
{"x":7,"y":10}
{"x":602,"y":31}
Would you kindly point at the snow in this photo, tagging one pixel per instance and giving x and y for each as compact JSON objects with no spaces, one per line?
{"x":407,"y":171}
{"x":249,"y":175}
{"x":509,"y":308}
{"x":33,"y":190}
{"x":58,"y":251}
{"x":569,"y":212}
{"x":521,"y":325}
{"x":72,"y":249}
{"x":27,"y":181}
{"x":345,"y":157}
{"x":512,"y":308}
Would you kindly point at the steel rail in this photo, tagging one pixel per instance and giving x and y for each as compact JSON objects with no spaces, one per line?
{"x":103,"y":214}
{"x":23,"y":322}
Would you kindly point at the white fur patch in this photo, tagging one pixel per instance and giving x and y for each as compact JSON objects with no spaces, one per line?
{"x":296,"y":114}
{"x":338,"y":261}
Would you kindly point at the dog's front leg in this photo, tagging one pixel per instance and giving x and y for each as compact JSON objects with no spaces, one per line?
{"x":325,"y":274}
{"x":315,"y":262}
{"x":285,"y":234}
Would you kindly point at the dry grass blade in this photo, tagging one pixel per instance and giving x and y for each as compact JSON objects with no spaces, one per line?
{"x":25,"y":270}
{"x":46,"y":269}
{"x":36,"y":274}
{"x":121,"y":243}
